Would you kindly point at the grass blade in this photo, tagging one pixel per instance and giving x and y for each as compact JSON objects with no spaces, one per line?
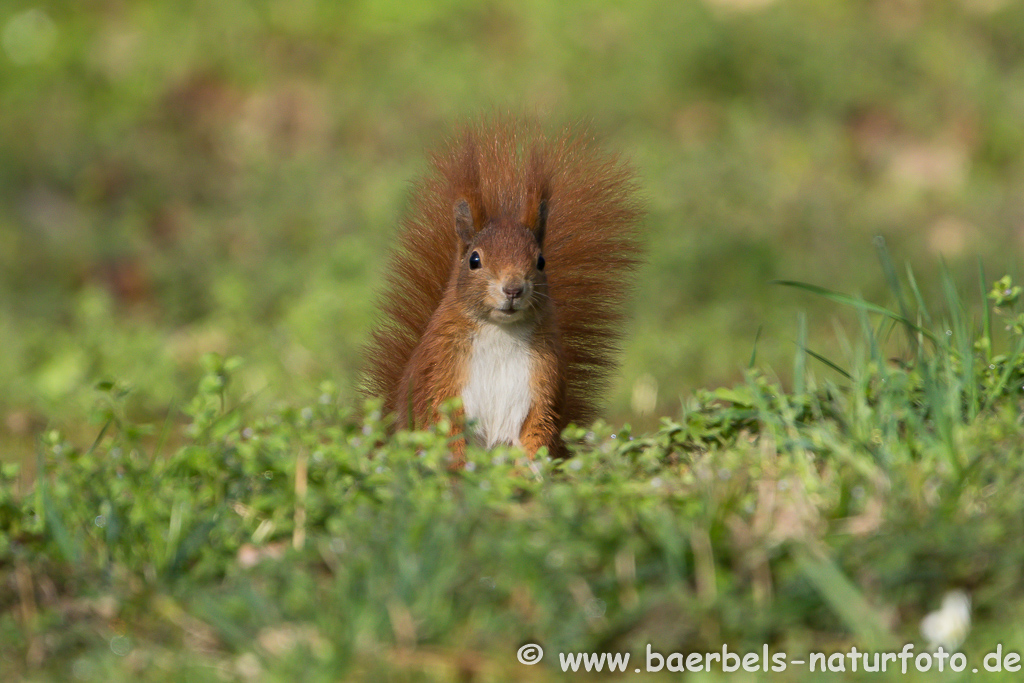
{"x":822,"y":359}
{"x":54,"y":523}
{"x":843,"y":597}
{"x":854,"y":302}
{"x":800,"y":362}
{"x":986,"y":314}
{"x":753,"y":352}
{"x":922,"y":309}
{"x":893,"y":281}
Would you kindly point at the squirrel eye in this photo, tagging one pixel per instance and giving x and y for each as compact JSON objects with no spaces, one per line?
{"x":474,"y":261}
{"x":540,"y":262}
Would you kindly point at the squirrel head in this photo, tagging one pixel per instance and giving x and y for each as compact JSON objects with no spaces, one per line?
{"x":500,"y":274}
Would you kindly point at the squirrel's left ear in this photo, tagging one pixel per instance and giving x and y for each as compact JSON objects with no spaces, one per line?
{"x":540,"y":225}
{"x":535,"y":215}
{"x":468,"y":218}
{"x":464,"y":227}
{"x":535,"y":211}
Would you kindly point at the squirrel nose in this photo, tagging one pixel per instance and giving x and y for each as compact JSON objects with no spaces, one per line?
{"x":512,"y":291}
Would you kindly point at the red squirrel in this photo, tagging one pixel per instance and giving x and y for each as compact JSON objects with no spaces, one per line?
{"x":507,"y":285}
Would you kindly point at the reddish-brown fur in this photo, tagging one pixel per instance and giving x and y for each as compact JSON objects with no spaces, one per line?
{"x":508,"y":172}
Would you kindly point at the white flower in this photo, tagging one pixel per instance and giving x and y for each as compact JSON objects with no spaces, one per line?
{"x":948,"y":626}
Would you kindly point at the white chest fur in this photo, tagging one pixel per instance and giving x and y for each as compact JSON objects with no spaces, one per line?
{"x":497,"y":393}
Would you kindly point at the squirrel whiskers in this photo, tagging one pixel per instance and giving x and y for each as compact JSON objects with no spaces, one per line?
{"x":507,"y":285}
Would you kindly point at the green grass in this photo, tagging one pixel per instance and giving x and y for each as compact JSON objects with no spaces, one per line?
{"x":183,"y":183}
{"x":307,"y":543}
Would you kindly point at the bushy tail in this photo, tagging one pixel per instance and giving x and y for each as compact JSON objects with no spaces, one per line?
{"x":591,"y":246}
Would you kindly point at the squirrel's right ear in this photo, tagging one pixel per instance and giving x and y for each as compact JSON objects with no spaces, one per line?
{"x":465,"y":225}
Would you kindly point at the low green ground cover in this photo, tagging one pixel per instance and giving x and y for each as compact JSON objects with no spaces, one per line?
{"x":306,"y":543}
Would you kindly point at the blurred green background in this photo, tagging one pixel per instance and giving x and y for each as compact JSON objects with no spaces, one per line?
{"x":184,"y":177}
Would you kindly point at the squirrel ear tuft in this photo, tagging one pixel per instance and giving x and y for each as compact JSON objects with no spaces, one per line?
{"x":538,"y":193}
{"x":535,"y":215}
{"x":542,"y":221}
{"x":464,"y":226}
